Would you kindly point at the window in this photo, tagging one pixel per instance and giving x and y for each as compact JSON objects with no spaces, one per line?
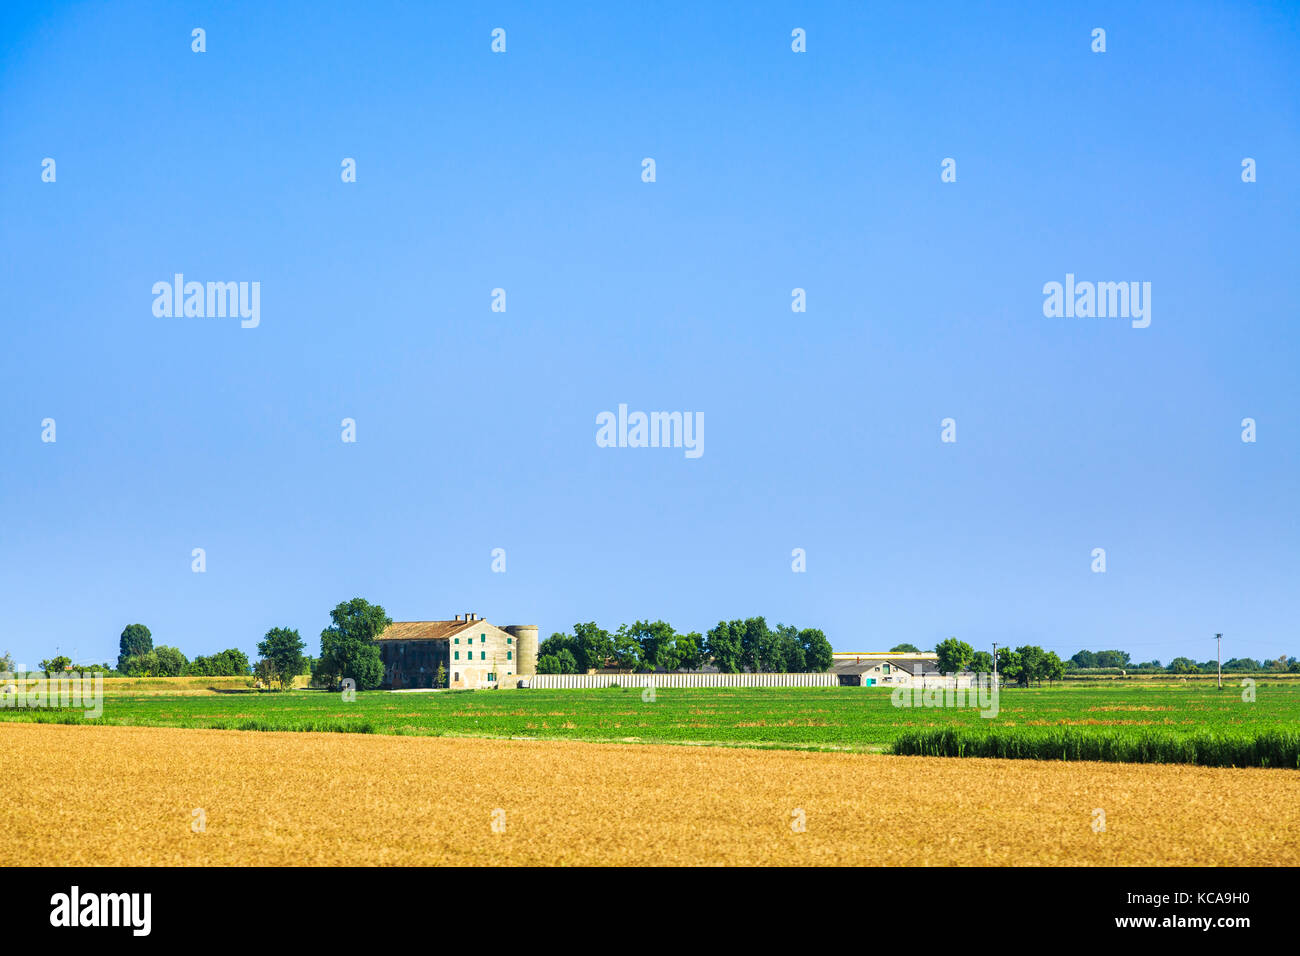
{"x":458,"y":640}
{"x":510,"y":640}
{"x":458,"y":655}
{"x":508,"y":655}
{"x":492,"y":676}
{"x":886,"y":668}
{"x":456,"y":676}
{"x":482,"y":638}
{"x":482,"y":655}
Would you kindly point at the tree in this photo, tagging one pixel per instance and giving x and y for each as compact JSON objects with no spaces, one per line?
{"x":905,"y":649}
{"x":627,"y":652}
{"x":1183,"y":665}
{"x":690,"y":650}
{"x":1033,"y":664}
{"x":56,"y":665}
{"x":348,"y":648}
{"x":1112,"y":659}
{"x":6,"y":663}
{"x":954,"y":656}
{"x":982,"y":662}
{"x":1053,"y":667}
{"x":171,"y":662}
{"x":228,"y":663}
{"x":568,"y":664}
{"x":1010,"y":667}
{"x":790,"y":650}
{"x":548,"y":664}
{"x":141,"y":665}
{"x":591,"y":645}
{"x":136,"y":641}
{"x":281,"y":656}
{"x":1086,"y":659}
{"x":651,"y":638}
{"x":818,"y":654}
{"x":722,"y":644}
{"x":758,"y":647}
{"x":440,"y":678}
{"x":668,"y":658}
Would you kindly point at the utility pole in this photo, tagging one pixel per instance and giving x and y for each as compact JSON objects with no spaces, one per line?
{"x":995,"y":663}
{"x":1218,"y":639}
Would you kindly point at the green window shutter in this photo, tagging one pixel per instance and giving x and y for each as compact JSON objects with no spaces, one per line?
{"x":482,"y":655}
{"x":458,"y":655}
{"x":482,"y":638}
{"x":508,"y":657}
{"x":510,"y":640}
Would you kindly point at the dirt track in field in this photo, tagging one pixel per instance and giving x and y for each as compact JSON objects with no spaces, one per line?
{"x":127,"y":796}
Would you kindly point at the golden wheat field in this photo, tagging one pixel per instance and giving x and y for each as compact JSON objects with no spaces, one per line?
{"x":129,"y":796}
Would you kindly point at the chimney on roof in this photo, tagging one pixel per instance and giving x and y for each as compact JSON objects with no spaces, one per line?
{"x":458,"y":617}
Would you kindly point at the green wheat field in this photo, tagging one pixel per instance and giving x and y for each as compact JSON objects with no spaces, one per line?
{"x":1151,"y":722}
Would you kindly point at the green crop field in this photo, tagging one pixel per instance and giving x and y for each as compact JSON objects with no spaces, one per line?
{"x":1150,"y":721}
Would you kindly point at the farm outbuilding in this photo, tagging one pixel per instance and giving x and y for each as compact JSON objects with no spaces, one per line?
{"x":875,"y":669}
{"x":470,"y":652}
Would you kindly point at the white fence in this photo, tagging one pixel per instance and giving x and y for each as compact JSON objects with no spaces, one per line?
{"x":565,"y":681}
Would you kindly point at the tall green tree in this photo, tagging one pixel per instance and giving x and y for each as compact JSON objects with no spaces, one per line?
{"x":905,"y":649}
{"x":982,"y":662}
{"x":723,"y":646}
{"x":690,"y":650}
{"x":954,"y":655}
{"x":592,"y":646}
{"x":348,"y":648}
{"x":817,"y":652}
{"x":627,"y":652}
{"x":790,"y":649}
{"x":652,"y":638}
{"x":1010,"y":667}
{"x":136,"y":641}
{"x":282,"y":656}
{"x":171,"y":662}
{"x":1033,"y":664}
{"x":759,"y":651}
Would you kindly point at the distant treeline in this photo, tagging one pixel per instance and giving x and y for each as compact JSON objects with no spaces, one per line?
{"x":732,"y":647}
{"x":1096,"y":661}
{"x":348,"y":652}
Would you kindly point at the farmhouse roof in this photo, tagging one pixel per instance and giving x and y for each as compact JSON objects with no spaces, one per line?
{"x":425,"y":630}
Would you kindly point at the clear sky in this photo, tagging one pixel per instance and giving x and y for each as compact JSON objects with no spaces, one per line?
{"x":775,"y":170}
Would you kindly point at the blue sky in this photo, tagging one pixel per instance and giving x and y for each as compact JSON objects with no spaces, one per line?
{"x":775,"y":170}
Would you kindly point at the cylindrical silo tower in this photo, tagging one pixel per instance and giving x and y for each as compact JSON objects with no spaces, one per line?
{"x":525,"y":636}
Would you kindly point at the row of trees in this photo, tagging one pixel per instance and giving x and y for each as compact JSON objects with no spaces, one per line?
{"x":348,"y":651}
{"x":1181,"y":665}
{"x":731,"y":646}
{"x":138,"y":657}
{"x":1025,"y":665}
